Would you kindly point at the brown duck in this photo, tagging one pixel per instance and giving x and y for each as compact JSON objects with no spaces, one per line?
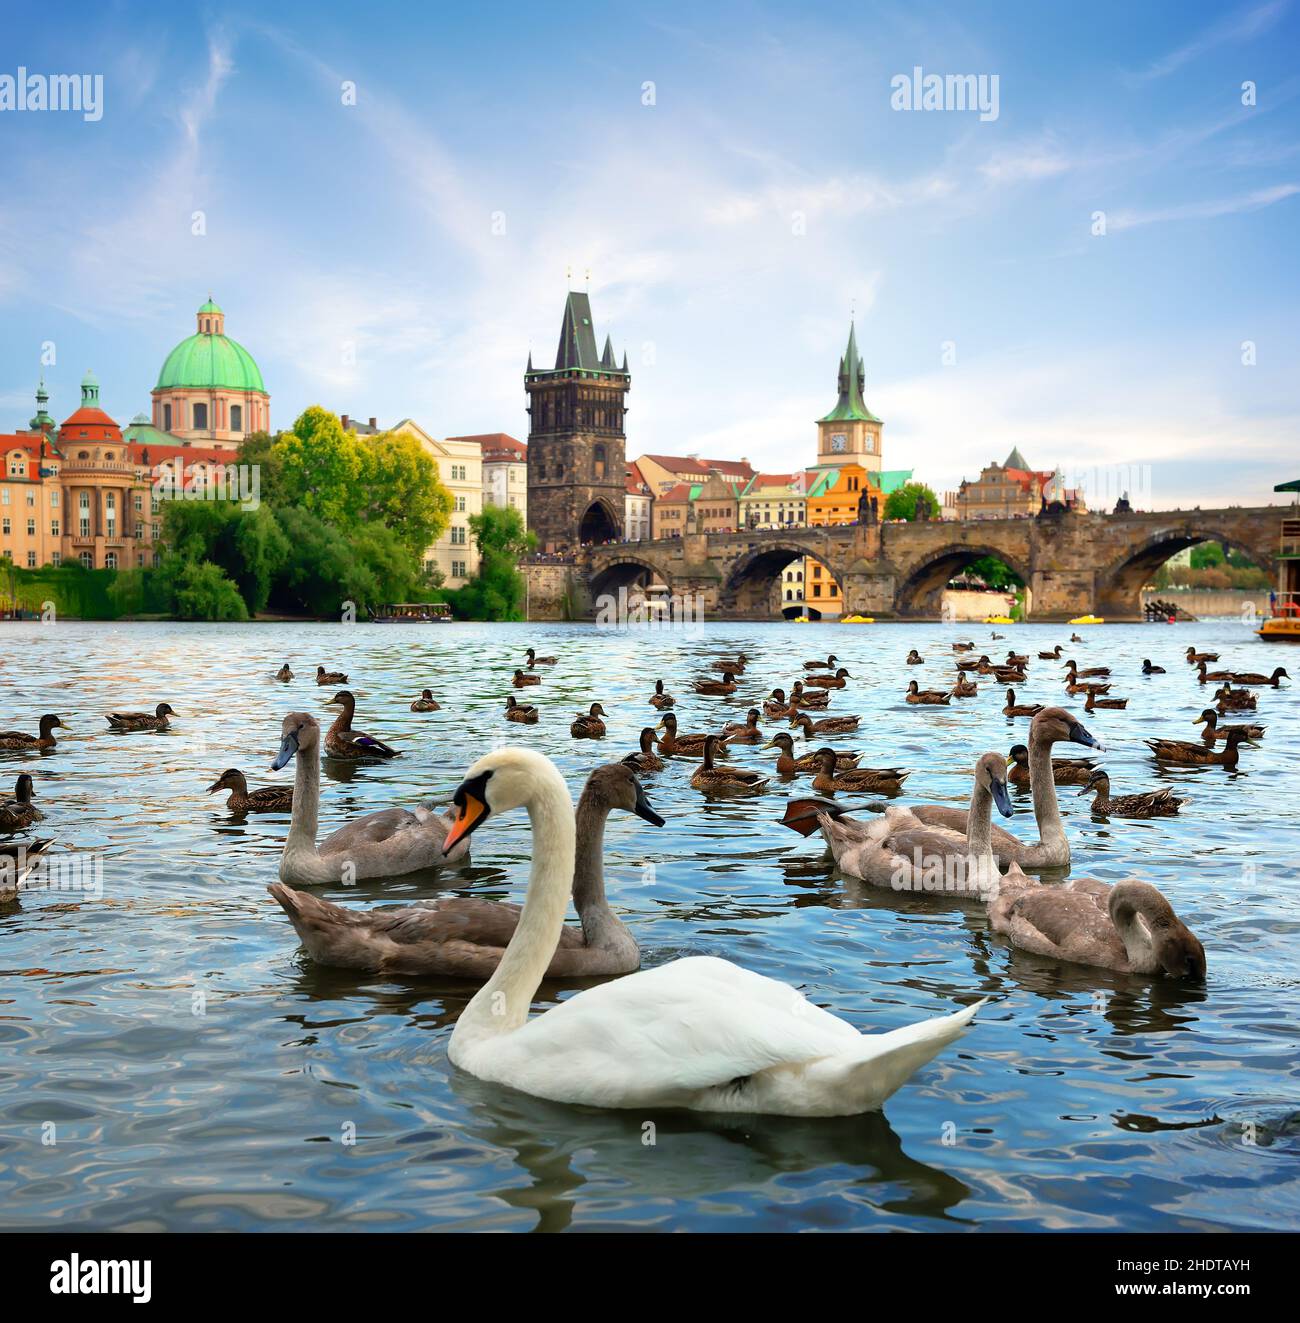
{"x":1213,"y":731}
{"x":426,"y":702}
{"x":660,"y":699}
{"x":521,"y":681}
{"x":1013,"y":709}
{"x":878,"y":780}
{"x":330,"y":677}
{"x":645,"y":759}
{"x":141,"y":720}
{"x":823,"y":725}
{"x":681,"y":746}
{"x":1146,"y":804}
{"x":524,"y":713}
{"x":1094,"y":702}
{"x":588,"y":725}
{"x":1065,"y":771}
{"x":18,"y":813}
{"x":349,"y":745}
{"x":265,"y":799}
{"x":20,"y":739}
{"x":788,"y":765}
{"x":1197,"y":755}
{"x":835,"y":681}
{"x":727,"y":685}
{"x":744,"y":732}
{"x":927,"y":697}
{"x":714,"y":778}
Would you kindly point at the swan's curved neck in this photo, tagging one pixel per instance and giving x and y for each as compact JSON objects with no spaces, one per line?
{"x":501,"y":1004}
{"x":1136,"y":936}
{"x":1042,"y":784}
{"x":979,"y":822}
{"x":601,"y":927}
{"x":306,"y":802}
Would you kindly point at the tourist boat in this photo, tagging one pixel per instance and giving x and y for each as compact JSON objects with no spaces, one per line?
{"x":1283,"y":623}
{"x":410,"y":613}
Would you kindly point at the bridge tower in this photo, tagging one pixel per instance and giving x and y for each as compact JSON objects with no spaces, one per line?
{"x":850,"y":433}
{"x":576,"y":456}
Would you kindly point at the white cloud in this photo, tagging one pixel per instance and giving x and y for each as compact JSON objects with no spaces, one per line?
{"x":1208,"y":210}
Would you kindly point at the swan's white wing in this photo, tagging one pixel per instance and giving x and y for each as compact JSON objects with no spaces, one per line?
{"x":662,"y":1033}
{"x":368,"y":830}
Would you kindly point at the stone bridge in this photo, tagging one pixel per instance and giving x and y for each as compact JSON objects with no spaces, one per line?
{"x":1073,"y":564}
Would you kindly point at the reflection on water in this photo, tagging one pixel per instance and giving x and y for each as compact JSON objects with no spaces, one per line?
{"x":169,"y":1059}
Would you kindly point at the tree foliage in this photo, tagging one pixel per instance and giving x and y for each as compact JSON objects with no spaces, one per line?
{"x":497,"y":591}
{"x":902,"y":502}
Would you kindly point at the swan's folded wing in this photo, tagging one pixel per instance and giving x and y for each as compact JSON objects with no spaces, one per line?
{"x":693,"y":1024}
{"x":369,"y":830}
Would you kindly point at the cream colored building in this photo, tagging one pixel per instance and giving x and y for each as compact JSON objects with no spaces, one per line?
{"x":505,"y":470}
{"x":638,"y":507}
{"x":774,"y":500}
{"x":460,"y":466}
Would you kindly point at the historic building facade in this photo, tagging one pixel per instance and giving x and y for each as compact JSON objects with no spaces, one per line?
{"x":85,"y":491}
{"x":577,"y":465}
{"x":210,"y":390}
{"x":1011,"y":490}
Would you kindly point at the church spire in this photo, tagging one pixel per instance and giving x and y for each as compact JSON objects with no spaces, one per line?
{"x":851,"y":406}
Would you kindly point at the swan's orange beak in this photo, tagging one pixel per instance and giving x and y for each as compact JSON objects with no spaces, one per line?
{"x":472,"y":812}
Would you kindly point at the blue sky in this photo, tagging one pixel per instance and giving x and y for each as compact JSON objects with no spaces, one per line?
{"x":401,"y":256}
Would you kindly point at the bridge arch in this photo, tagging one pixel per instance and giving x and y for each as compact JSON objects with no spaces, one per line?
{"x":747,"y":588}
{"x":1119,"y":584}
{"x":920,"y":592}
{"x":625,"y":570}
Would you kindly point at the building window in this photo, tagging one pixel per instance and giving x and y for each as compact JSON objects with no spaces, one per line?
{"x":56,"y":558}
{"x":4,"y":495}
{"x":54,"y":499}
{"x":457,"y":536}
{"x":200,"y":415}
{"x":31,"y":498}
{"x":460,"y":505}
{"x":110,"y":513}
{"x":54,"y":528}
{"x":31,"y":560}
{"x":83,"y":514}
{"x":137,"y":501}
{"x":87,"y":559}
{"x":167,"y":417}
{"x":31,"y":528}
{"x":598,"y":454}
{"x":236,"y":417}
{"x":110,"y":560}
{"x":6,"y":526}
{"x":458,"y":569}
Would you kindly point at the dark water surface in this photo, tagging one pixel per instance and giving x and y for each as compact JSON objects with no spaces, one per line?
{"x":170,"y":1059}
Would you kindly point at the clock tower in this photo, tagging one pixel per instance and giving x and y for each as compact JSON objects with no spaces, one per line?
{"x":850,"y":433}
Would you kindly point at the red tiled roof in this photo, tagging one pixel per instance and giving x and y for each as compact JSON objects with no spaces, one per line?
{"x":90,"y":425}
{"x":681,"y":492}
{"x":497,"y":447}
{"x":635,"y":483}
{"x":18,"y":441}
{"x":159,"y":454}
{"x":736,"y":468}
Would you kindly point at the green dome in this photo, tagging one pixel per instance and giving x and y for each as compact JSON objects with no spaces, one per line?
{"x":210,"y":360}
{"x":209,"y":306}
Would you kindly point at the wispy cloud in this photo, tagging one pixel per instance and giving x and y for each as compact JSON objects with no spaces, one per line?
{"x":1241,"y":26}
{"x":1252,"y":201}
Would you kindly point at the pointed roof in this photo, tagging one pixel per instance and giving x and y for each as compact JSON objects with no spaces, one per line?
{"x":1015,"y":460}
{"x":577,"y":351}
{"x":851,"y":407}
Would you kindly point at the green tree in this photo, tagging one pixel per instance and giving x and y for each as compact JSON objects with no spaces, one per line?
{"x":402,"y":490}
{"x":496,"y":592}
{"x":198,"y":590}
{"x":994,"y":573}
{"x":318,"y":468}
{"x":902,"y":502}
{"x":127,"y":592}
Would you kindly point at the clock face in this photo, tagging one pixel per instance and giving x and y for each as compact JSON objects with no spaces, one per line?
{"x":839,"y":441}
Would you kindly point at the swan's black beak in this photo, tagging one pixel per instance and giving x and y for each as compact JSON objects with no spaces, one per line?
{"x":644,"y":810}
{"x":288,"y":747}
{"x":1080,"y":735}
{"x":1000,"y":796}
{"x":472,"y":809}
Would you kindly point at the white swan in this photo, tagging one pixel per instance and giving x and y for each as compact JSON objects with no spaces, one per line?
{"x":699,"y":1033}
{"x":384,"y":844}
{"x":1052,"y":849}
{"x":897,"y":850}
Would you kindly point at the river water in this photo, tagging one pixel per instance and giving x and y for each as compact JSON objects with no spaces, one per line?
{"x":170,"y":1059}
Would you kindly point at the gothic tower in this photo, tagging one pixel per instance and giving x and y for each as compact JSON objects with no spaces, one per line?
{"x":576,"y":461}
{"x":850,"y":433}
